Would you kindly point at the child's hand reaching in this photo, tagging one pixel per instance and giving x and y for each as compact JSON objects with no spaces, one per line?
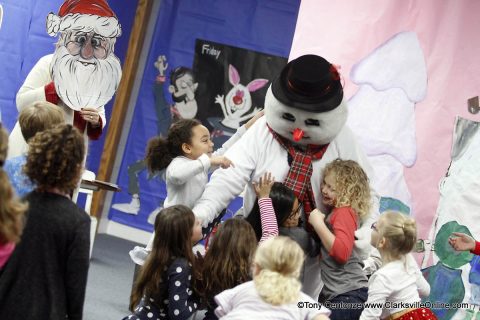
{"x":316,"y":217}
{"x":264,"y":185}
{"x":221,"y":161}
{"x":461,"y":242}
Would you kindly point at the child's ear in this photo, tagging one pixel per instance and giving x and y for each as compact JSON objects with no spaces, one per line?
{"x":186,"y":148}
{"x":381,"y":243}
{"x":255,"y":269}
{"x":171,"y":89}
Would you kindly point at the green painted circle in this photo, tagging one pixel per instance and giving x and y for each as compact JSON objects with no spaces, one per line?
{"x":447,"y":255}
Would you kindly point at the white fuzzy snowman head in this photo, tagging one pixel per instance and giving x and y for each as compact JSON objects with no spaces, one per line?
{"x":305,"y":102}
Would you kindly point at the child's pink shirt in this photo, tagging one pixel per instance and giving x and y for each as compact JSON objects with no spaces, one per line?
{"x":5,"y":252}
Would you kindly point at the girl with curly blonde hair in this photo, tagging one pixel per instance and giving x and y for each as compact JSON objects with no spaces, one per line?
{"x":11,"y":209}
{"x":346,"y":192}
{"x":274,"y":292}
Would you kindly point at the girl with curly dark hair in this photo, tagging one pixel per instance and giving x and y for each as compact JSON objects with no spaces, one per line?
{"x":46,"y":275}
{"x":187,"y":157}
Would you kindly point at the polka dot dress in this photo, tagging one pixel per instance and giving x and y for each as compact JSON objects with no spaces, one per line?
{"x":178,"y":300}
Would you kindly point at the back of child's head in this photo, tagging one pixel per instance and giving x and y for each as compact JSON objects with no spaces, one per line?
{"x":351,"y":185}
{"x":173,"y":231}
{"x":39,"y":116}
{"x":160,"y":151}
{"x":283,"y":200}
{"x":11,"y":210}
{"x":55,"y":158}
{"x":229,"y":257}
{"x":280,"y":260}
{"x":173,"y":239}
{"x":399,"y":231}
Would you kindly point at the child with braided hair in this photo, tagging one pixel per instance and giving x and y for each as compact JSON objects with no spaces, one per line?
{"x":399,"y":280}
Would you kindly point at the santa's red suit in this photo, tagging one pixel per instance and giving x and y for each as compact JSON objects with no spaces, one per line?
{"x":38,"y":86}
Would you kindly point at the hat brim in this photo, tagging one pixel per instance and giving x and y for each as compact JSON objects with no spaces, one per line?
{"x":308,"y":103}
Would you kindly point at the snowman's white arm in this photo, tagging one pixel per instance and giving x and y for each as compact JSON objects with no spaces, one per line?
{"x":227,"y":144}
{"x":226,"y":184}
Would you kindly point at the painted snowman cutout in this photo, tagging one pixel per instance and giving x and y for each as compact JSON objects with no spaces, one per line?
{"x":238,"y":101}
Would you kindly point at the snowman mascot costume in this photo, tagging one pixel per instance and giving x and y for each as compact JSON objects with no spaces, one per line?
{"x":303,"y":129}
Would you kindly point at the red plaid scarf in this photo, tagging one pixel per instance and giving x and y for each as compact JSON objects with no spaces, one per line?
{"x":298,"y":178}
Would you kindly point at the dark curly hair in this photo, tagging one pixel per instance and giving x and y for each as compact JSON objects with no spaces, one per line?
{"x":55,"y":158}
{"x":160,"y":151}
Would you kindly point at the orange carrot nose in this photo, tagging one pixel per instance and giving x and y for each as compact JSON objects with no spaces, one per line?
{"x":298,"y":134}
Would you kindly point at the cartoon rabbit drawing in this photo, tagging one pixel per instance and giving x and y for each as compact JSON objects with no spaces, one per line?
{"x":238,"y":101}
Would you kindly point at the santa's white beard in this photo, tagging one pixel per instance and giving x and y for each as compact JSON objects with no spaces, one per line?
{"x":81,"y":86}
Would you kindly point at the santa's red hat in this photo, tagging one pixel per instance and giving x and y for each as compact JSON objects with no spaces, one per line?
{"x":84,"y":15}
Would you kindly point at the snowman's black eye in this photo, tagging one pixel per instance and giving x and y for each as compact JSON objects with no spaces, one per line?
{"x":289,"y":117}
{"x":312,"y":122}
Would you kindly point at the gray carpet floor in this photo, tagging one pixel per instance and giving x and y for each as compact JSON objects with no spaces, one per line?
{"x":109,"y":279}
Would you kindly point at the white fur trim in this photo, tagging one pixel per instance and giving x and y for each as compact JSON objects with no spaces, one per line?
{"x":105,"y":26}
{"x":53,"y":24}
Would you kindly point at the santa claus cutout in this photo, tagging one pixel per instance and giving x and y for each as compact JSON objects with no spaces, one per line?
{"x":83,"y":73}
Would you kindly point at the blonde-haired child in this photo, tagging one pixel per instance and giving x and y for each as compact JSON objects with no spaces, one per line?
{"x":36,"y":117}
{"x":275,"y":289}
{"x":346,"y":192}
{"x":399,"y":280}
{"x":11,"y":209}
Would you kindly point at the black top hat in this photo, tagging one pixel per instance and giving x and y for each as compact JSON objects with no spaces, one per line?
{"x":309,"y":83}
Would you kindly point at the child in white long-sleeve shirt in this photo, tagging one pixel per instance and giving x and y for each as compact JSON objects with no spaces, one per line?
{"x":187,"y":155}
{"x":399,"y":281}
